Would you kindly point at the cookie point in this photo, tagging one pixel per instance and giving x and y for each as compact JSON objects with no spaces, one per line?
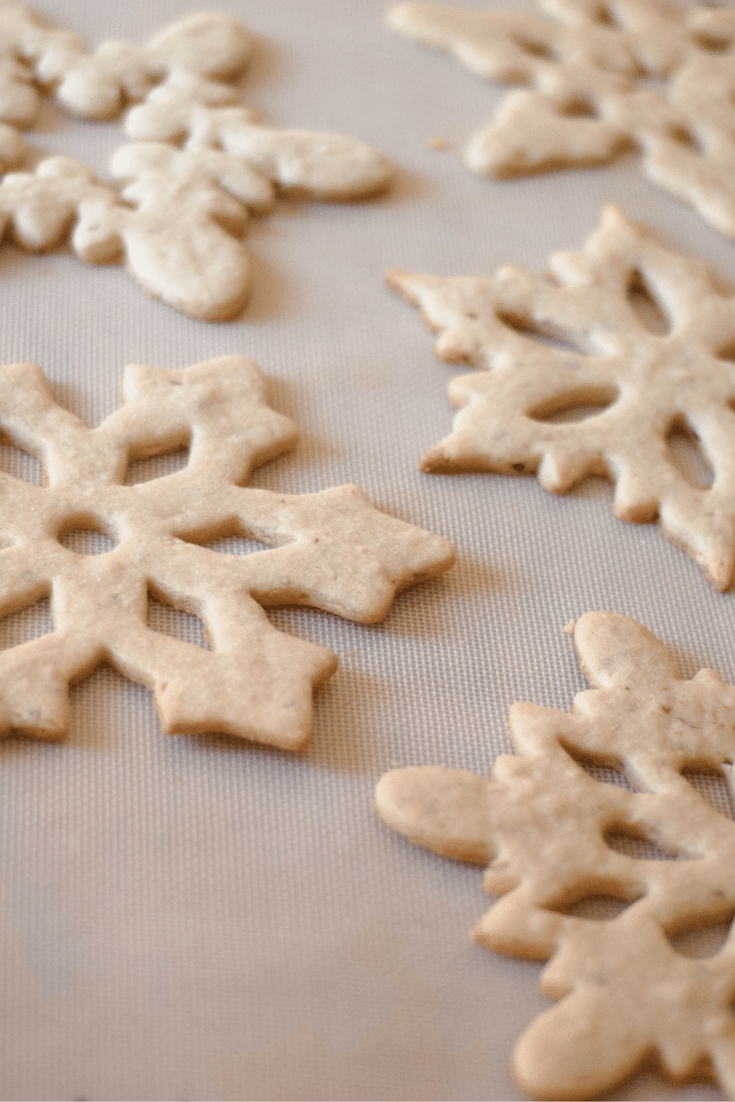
{"x":436,"y":460}
{"x":397,"y":278}
{"x":720,"y":570}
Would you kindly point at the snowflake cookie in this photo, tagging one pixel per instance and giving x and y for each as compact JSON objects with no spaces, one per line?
{"x":179,"y":214}
{"x":650,"y":341}
{"x":36,"y":57}
{"x":331,"y":550}
{"x":556,"y":835}
{"x":176,"y":223}
{"x":583,"y":61}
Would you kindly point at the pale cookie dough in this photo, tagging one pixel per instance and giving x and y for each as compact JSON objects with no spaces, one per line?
{"x":179,"y":216}
{"x":28,"y":42}
{"x":202,"y":45}
{"x":641,"y":377}
{"x":179,"y":232}
{"x":182,"y":75}
{"x":98,"y":84}
{"x":306,"y":162}
{"x":330,"y":550}
{"x":552,"y":834}
{"x":586,"y":100}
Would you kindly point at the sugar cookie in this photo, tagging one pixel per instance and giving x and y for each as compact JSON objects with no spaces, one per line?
{"x":639,"y":377}
{"x":585,"y":99}
{"x":331,"y":550}
{"x":552,"y":834}
{"x":179,"y":216}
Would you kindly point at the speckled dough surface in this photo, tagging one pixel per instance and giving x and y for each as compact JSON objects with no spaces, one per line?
{"x":182,"y":238}
{"x":638,"y":374}
{"x":552,"y":834}
{"x":586,"y":101}
{"x":332,"y":550}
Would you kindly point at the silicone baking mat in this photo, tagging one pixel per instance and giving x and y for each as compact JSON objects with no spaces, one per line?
{"x":197,"y":917}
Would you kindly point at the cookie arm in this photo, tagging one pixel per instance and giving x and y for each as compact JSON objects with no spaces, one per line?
{"x":343,"y":554}
{"x":445,"y":810}
{"x":258,"y":688}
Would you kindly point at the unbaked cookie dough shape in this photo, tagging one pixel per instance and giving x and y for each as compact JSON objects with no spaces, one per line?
{"x":646,"y":353}
{"x":175,"y":216}
{"x":331,"y":550}
{"x":176,"y":224}
{"x":561,"y":832}
{"x":37,"y":58}
{"x":583,"y":62}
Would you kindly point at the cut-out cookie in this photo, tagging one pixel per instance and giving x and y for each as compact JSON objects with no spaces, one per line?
{"x":690,"y":145}
{"x":332,"y":550}
{"x":25,"y":41}
{"x":319,"y":165}
{"x":585,"y":101}
{"x":177,"y":222}
{"x":98,"y":84}
{"x":651,"y":339}
{"x":181,"y":75}
{"x":182,"y":239}
{"x":544,"y":822}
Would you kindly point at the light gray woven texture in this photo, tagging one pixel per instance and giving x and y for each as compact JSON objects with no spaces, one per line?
{"x":199,"y":918}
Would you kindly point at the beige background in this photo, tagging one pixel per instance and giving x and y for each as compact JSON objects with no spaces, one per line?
{"x":188,"y":918}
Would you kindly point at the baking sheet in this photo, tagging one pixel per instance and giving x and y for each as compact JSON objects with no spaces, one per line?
{"x":197,"y":917}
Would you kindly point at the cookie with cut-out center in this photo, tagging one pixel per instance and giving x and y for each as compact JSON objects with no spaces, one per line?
{"x":600,"y":877}
{"x":640,"y":376}
{"x":330,"y":550}
{"x":584,"y":100}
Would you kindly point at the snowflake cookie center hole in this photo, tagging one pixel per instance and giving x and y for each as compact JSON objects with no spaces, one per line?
{"x":631,"y":843}
{"x":536,"y":48}
{"x":535,"y":330}
{"x":686,"y":137}
{"x":148,"y":468}
{"x":579,"y":108}
{"x":712,"y":786}
{"x":178,"y":623}
{"x":236,"y":545}
{"x":20,"y":464}
{"x":703,"y":941}
{"x":603,"y":771}
{"x":712,"y":43}
{"x":85,"y":535}
{"x":575,"y":404}
{"x":23,"y":625}
{"x":606,"y":17}
{"x":228,"y":537}
{"x":597,"y":904}
{"x":727,"y":352}
{"x":646,"y":304}
{"x":688,"y":456}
